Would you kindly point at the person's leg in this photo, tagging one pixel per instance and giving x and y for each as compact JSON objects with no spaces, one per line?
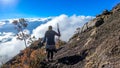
{"x":52,"y":54}
{"x":48,"y":54}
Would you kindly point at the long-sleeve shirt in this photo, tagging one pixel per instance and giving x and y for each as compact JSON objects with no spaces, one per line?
{"x":50,"y":37}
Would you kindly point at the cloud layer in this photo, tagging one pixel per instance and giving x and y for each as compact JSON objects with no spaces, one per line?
{"x":9,"y":48}
{"x":67,"y":25}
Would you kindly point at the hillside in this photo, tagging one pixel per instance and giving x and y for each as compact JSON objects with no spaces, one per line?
{"x":96,"y":45}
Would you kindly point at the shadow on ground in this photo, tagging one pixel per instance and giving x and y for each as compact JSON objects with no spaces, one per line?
{"x":71,"y":60}
{"x":60,"y":48}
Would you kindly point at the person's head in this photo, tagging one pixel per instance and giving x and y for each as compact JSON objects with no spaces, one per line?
{"x":49,"y":27}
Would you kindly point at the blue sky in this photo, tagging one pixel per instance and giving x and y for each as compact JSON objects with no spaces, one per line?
{"x":45,"y":8}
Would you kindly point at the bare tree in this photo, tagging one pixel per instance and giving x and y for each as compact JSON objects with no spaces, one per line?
{"x":31,"y":40}
{"x":20,"y":25}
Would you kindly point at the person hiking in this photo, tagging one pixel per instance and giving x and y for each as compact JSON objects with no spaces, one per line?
{"x":49,"y":38}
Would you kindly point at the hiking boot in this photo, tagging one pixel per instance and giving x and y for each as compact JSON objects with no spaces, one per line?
{"x":55,"y":51}
{"x":47,"y":60}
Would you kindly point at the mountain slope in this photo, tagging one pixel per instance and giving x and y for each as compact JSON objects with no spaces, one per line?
{"x":96,"y":45}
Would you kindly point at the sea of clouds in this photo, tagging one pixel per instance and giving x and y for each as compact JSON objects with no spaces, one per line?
{"x":9,"y":46}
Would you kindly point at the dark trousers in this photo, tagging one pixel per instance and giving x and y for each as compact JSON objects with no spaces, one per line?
{"x":50,"y":53}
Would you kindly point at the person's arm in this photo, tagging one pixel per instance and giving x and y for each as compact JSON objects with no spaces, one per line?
{"x":58,"y":34}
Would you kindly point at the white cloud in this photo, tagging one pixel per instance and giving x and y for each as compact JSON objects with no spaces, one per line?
{"x":67,"y":25}
{"x":10,"y":48}
{"x":2,"y":23}
{"x":6,"y":35}
{"x":37,"y":19}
